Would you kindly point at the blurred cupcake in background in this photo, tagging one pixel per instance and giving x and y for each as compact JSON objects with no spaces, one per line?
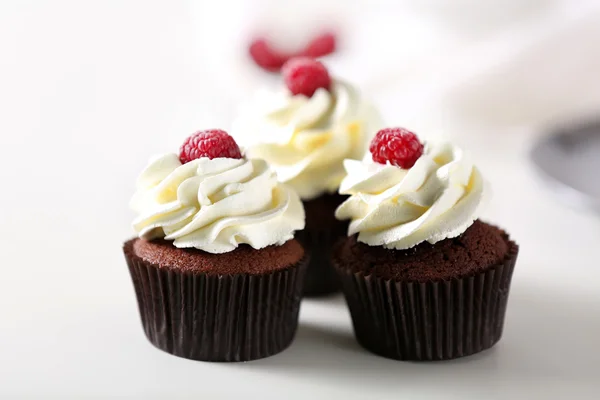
{"x":305,"y":130}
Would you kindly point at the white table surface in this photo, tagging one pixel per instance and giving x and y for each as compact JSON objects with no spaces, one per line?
{"x":88,"y":92}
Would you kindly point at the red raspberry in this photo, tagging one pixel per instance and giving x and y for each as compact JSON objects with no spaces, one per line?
{"x":320,"y":46}
{"x":267,"y":57}
{"x":272,"y":60}
{"x":304,"y":75}
{"x":399,"y":146}
{"x":212,"y":143}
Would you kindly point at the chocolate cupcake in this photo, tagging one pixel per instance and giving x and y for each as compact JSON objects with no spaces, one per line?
{"x":424,"y":278}
{"x":217,"y":272}
{"x":305,"y":131}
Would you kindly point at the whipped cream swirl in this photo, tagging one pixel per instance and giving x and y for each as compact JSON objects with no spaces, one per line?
{"x":438,"y":198}
{"x":306,"y":139}
{"x":215,"y":205}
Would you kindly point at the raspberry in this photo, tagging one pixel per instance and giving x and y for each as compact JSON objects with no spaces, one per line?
{"x":211,"y":143}
{"x":398,"y":146}
{"x":304,"y":75}
{"x":320,"y":46}
{"x":272,"y":60}
{"x":266,"y":57}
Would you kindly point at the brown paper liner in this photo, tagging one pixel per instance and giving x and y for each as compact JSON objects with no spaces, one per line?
{"x":217,"y":317}
{"x":319,"y":237}
{"x":429,"y":321}
{"x":321,"y":278}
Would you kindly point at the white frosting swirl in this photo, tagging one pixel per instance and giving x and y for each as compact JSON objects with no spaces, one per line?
{"x":215,"y":205}
{"x":438,"y":198}
{"x":307,"y":139}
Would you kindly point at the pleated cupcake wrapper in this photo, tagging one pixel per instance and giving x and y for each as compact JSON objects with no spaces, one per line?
{"x":218,"y":318}
{"x":321,"y":278}
{"x":429,"y":321}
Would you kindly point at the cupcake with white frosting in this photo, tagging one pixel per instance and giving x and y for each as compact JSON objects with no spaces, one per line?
{"x":304,"y":131}
{"x":217,"y":272}
{"x":423,"y":277}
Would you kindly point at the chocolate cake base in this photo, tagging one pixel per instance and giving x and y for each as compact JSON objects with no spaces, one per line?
{"x":319,"y":237}
{"x":430,"y":302}
{"x":237,"y":306}
{"x":243,"y":260}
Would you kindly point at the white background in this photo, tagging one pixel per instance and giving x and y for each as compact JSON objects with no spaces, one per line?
{"x":89,"y":90}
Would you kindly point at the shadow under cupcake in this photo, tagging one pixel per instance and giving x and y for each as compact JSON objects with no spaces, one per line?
{"x":217,"y":273}
{"x":422,"y":277}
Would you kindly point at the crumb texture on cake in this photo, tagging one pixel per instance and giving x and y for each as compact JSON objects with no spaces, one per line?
{"x":478,"y":248}
{"x":242,"y":260}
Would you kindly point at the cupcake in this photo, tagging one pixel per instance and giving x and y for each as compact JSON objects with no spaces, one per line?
{"x":305,"y":131}
{"x":423,"y":277}
{"x":217,"y":272}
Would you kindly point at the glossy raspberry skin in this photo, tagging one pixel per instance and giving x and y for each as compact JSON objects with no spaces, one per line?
{"x":211,"y":143}
{"x":304,"y":76}
{"x":398,"y":146}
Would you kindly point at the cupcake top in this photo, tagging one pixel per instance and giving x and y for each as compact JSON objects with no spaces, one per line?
{"x":211,"y":198}
{"x":306,"y":129}
{"x":409,"y":193}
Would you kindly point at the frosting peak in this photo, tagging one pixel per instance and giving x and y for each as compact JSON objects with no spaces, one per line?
{"x":215,"y":205}
{"x":438,"y":198}
{"x":306,"y":139}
